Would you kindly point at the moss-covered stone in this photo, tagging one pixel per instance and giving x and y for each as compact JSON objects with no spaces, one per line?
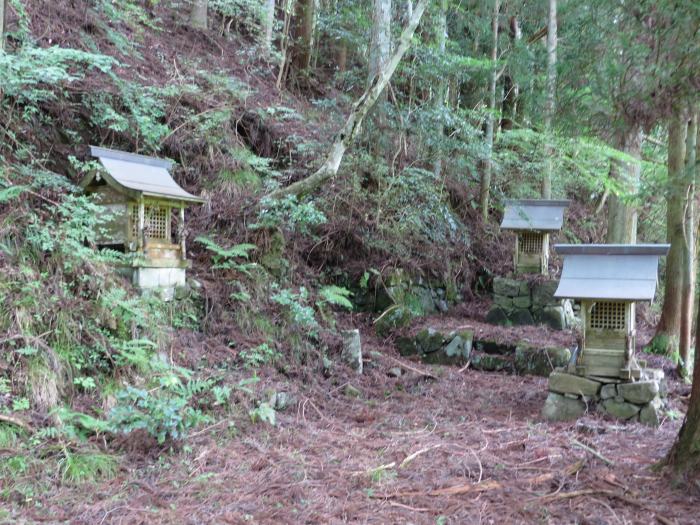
{"x":573,"y":384}
{"x":490,"y":363}
{"x":521,"y":316}
{"x":394,"y":317}
{"x":498,"y":316}
{"x":539,"y":361}
{"x":560,"y":408}
{"x":620,"y":409}
{"x":430,"y":340}
{"x":506,"y":287}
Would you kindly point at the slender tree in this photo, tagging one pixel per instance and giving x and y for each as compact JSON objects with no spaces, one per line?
{"x":199,"y":14}
{"x":689,"y":248}
{"x":303,"y":34}
{"x":511,"y":88}
{"x":668,"y":329}
{"x":550,"y":101}
{"x":380,"y":42}
{"x":269,"y":25}
{"x":486,"y":175}
{"x":442,"y":85}
{"x":622,"y":210}
{"x":685,"y":453}
{"x":353,"y":124}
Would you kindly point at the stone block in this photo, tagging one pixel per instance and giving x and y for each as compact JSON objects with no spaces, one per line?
{"x":524,"y":288}
{"x":573,"y":384}
{"x":430,"y":340}
{"x":521,"y":316}
{"x":490,"y":363}
{"x":150,"y":278}
{"x":539,"y":361}
{"x":560,"y":408}
{"x":608,"y":391}
{"x":553,"y":316}
{"x":352,"y":349}
{"x":497,"y":315}
{"x":543,"y":293}
{"x":407,"y":346}
{"x":503,"y":301}
{"x":640,"y":392}
{"x":394,"y":317}
{"x":620,"y":409}
{"x":651,"y":413}
{"x":505,"y":286}
{"x":522,"y":301}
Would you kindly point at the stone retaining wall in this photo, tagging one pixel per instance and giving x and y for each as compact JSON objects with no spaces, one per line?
{"x":458,"y":347}
{"x":570,"y":396}
{"x":529,"y":302}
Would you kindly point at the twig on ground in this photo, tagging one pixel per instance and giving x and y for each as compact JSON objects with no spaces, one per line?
{"x":412,"y":368}
{"x":16,"y":421}
{"x":464,"y":367}
{"x":417,"y":453}
{"x":597,"y":454}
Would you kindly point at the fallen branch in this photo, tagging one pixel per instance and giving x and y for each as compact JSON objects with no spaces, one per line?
{"x":412,"y":368}
{"x":16,"y":421}
{"x":597,"y":454}
{"x":413,"y":456}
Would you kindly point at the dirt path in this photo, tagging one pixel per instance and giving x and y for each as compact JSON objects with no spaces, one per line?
{"x":393,"y":455}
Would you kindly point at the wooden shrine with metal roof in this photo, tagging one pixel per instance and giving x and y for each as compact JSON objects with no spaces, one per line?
{"x":533,"y":221}
{"x":608,"y":279}
{"x":147,"y":209}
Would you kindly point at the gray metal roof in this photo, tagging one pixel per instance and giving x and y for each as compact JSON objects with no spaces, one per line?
{"x":529,"y":214}
{"x":143,"y":175}
{"x":625,"y":272}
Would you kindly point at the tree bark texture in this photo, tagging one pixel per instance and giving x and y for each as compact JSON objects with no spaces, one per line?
{"x":689,"y":249}
{"x":199,"y":14}
{"x":380,"y":43}
{"x":511,"y":88}
{"x":303,"y":34}
{"x":442,"y":85}
{"x":670,"y":322}
{"x":269,"y":25}
{"x":684,"y":456}
{"x":622,"y":214}
{"x":486,"y":174}
{"x":550,"y":101}
{"x":353,"y":124}
{"x":3,"y":22}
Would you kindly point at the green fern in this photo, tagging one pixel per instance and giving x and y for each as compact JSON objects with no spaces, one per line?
{"x":223,"y":257}
{"x":336,"y":295}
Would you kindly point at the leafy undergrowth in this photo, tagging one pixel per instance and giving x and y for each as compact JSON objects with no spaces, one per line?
{"x":469,"y":447}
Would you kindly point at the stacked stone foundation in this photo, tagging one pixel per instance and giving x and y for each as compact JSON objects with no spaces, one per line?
{"x":529,"y":302}
{"x":570,"y":396}
{"x":458,"y":347}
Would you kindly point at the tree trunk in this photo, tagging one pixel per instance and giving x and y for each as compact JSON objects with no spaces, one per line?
{"x":303,"y":33}
{"x":689,"y":249}
{"x":198,"y":15}
{"x":622,"y":216}
{"x":288,"y":7}
{"x":550,"y":102}
{"x":684,"y":456}
{"x":269,"y":25}
{"x":442,"y":86}
{"x":511,"y":88}
{"x":352,"y":126}
{"x":4,"y":7}
{"x":380,"y":43}
{"x":486,"y":174}
{"x":668,"y":330}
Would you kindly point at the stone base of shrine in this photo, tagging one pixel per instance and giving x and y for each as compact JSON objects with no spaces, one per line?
{"x":571,"y":396}
{"x":161,"y":280}
{"x":529,"y":301}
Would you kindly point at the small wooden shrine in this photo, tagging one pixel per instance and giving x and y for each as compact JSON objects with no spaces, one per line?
{"x":533,"y":221}
{"x":147,"y":215}
{"x":608,"y":279}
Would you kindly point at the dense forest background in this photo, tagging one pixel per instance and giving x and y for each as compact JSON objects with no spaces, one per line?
{"x":345,"y":149}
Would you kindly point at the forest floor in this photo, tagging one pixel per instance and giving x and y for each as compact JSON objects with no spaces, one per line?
{"x":454,"y":446}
